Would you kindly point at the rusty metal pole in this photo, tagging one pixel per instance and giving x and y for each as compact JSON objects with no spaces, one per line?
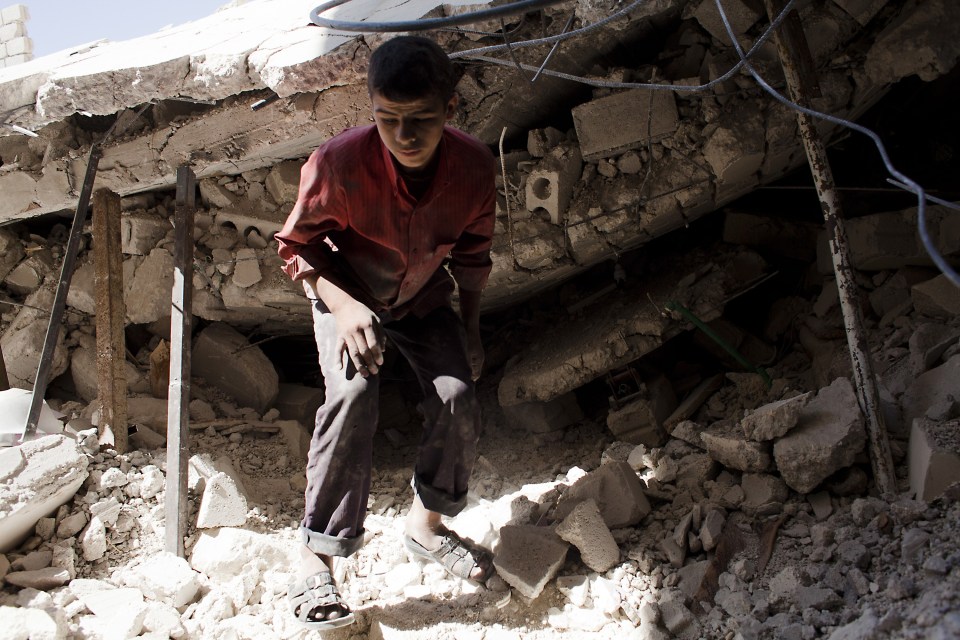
{"x":60,"y":300}
{"x":863,"y":375}
{"x":178,"y":401}
{"x":110,"y":309}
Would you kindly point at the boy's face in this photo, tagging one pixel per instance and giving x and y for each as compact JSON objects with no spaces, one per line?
{"x":412,"y":130}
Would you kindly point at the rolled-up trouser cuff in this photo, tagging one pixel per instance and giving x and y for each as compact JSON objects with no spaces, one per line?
{"x":322,"y":544}
{"x":436,"y":500}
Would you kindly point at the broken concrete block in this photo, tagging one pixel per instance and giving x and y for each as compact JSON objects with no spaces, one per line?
{"x":641,"y":421}
{"x":93,"y":541}
{"x":735,"y":148}
{"x":691,"y":576}
{"x":727,"y":444}
{"x":741,"y":15}
{"x":529,"y":557}
{"x":641,"y":116}
{"x":828,"y":436}
{"x":283,"y":182}
{"x":167,"y":578}
{"x":25,"y":278}
{"x":147,"y":294}
{"x":215,"y":195}
{"x":711,"y":529}
{"x":47,"y":474}
{"x":937,"y":298}
{"x":550,"y":185}
{"x":676,"y":554}
{"x":584,"y":528}
{"x":299,"y":402}
{"x":224,"y":358}
{"x":617,"y":491}
{"x":934,"y":457}
{"x":222,"y":505}
{"x":761,"y":490}
{"x":246,"y":273}
{"x":928,"y":342}
{"x":931,"y":389}
{"x":775,"y":419}
{"x":25,"y":336}
{"x":544,"y":417}
{"x":140,"y":233}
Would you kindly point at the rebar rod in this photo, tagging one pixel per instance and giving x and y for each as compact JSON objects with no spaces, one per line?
{"x":863,"y":374}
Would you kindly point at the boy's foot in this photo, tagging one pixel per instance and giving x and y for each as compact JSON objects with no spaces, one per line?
{"x":314,"y":598}
{"x":459,"y":558}
{"x":426,"y":538}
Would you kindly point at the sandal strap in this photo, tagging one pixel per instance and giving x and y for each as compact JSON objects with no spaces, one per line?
{"x":314,"y":592}
{"x":456,"y":556}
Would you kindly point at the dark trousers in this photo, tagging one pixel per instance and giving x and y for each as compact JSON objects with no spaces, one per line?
{"x":340,"y":457}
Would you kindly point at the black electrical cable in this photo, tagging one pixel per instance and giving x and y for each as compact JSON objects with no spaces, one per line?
{"x":424,"y":24}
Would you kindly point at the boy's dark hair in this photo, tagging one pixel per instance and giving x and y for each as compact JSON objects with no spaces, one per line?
{"x":410,"y":68}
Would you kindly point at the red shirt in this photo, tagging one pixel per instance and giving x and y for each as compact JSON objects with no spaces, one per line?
{"x":356,"y":224}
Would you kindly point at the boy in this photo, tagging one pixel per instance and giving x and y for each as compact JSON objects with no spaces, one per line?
{"x":379,"y":209}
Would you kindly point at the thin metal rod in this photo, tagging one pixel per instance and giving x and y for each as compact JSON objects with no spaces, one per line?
{"x":178,"y":399}
{"x":863,"y":375}
{"x":60,"y":300}
{"x":553,"y":49}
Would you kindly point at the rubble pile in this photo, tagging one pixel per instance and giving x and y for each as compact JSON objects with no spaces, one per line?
{"x":754,"y":516}
{"x":701,"y":499}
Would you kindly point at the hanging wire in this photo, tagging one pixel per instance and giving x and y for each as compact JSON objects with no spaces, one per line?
{"x":901,"y":179}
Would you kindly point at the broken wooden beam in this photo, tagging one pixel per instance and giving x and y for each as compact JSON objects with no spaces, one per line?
{"x":178,"y":402}
{"x":863,"y":375}
{"x":110,"y":311}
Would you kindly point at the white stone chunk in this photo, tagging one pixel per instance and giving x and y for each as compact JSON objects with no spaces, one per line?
{"x":168,"y":579}
{"x":94,"y":540}
{"x":152,"y":483}
{"x":222,"y":505}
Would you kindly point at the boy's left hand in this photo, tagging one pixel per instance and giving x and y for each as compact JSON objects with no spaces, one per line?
{"x":475,"y":352}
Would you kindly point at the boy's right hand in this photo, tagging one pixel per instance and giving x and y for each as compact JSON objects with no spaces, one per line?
{"x":360,"y":336}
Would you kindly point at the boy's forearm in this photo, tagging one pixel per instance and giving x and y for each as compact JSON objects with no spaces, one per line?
{"x":332,"y":296}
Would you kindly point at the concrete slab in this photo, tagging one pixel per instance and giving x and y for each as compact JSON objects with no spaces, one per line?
{"x":49,"y":472}
{"x":529,"y":557}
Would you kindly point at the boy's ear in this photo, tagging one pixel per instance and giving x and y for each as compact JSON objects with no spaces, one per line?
{"x":452,"y":106}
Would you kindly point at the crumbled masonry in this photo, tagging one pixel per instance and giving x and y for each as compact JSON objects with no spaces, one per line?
{"x":634,"y":479}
